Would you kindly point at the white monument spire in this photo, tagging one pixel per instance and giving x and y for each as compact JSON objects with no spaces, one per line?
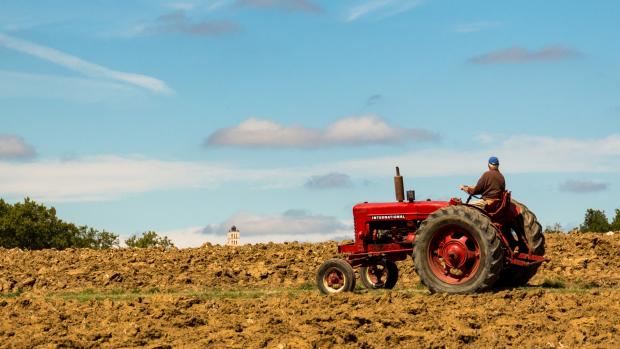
{"x":232,"y":238}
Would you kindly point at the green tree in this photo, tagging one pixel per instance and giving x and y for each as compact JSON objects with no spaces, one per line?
{"x":595,"y":221}
{"x":615,"y":224}
{"x":33,"y":226}
{"x":29,"y":225}
{"x":92,"y":238}
{"x":149,"y":239}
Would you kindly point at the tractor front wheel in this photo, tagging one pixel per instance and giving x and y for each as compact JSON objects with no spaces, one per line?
{"x":380,"y":274}
{"x":334,"y":276}
{"x":457,"y":250}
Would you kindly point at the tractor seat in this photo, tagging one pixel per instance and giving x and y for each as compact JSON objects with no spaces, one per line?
{"x":498,"y":207}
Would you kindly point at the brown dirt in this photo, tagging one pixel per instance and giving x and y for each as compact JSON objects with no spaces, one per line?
{"x":261,"y":296}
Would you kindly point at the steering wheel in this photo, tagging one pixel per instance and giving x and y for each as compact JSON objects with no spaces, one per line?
{"x":472,"y":196}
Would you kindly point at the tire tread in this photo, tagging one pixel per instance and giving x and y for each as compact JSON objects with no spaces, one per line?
{"x":487,"y":232}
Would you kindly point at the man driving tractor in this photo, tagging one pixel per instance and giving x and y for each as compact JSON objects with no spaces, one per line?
{"x":456,"y":248}
{"x":491,"y":186}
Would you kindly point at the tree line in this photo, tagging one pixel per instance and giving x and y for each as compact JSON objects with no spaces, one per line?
{"x":33,"y":226}
{"x":596,"y":221}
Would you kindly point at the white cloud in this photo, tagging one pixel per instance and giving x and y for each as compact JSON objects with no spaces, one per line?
{"x":192,"y":237}
{"x":382,"y":8}
{"x":583,"y":186}
{"x":183,"y":6}
{"x":15,"y":147}
{"x":18,"y":85}
{"x":264,"y":133}
{"x":289,"y":5}
{"x":329,"y":181}
{"x":486,"y":138}
{"x":178,"y":22}
{"x":110,"y":177}
{"x":292,"y":225}
{"x":368,"y":129}
{"x":217,"y":4}
{"x":518,"y":154}
{"x":102,"y":178}
{"x":81,"y":66}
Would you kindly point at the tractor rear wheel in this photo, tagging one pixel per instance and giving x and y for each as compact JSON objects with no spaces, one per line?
{"x":334,"y":276}
{"x":457,"y":250}
{"x":527,"y":223}
{"x":381,"y":274}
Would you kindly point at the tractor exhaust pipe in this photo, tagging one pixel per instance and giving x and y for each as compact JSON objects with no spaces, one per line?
{"x":399,"y":187}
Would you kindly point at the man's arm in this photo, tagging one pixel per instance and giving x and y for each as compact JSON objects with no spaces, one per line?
{"x":480,"y":186}
{"x":466,"y":188}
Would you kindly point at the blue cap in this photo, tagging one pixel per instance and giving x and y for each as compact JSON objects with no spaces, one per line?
{"x":493,"y":160}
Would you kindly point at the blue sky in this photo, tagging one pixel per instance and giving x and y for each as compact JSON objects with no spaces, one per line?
{"x":278,"y":115}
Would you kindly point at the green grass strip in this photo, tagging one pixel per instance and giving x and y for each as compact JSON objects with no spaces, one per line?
{"x":216,"y":293}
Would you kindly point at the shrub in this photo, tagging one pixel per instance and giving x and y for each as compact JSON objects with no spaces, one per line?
{"x":149,"y":239}
{"x":552,"y":229}
{"x":595,"y":221}
{"x":29,"y":225}
{"x":615,"y":224}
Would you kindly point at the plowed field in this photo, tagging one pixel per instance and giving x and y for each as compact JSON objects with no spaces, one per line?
{"x":263,"y":296}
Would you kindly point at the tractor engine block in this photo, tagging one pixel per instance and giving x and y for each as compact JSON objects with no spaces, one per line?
{"x":389,"y":231}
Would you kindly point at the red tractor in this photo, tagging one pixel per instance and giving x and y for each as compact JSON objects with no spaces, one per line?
{"x":456,"y":247}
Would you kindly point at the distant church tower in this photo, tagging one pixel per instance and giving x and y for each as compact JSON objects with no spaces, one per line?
{"x":232,"y":238}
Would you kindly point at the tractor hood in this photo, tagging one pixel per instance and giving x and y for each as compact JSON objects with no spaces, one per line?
{"x":397,"y":210}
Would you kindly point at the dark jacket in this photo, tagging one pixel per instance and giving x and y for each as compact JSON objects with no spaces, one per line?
{"x":491,"y":185}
